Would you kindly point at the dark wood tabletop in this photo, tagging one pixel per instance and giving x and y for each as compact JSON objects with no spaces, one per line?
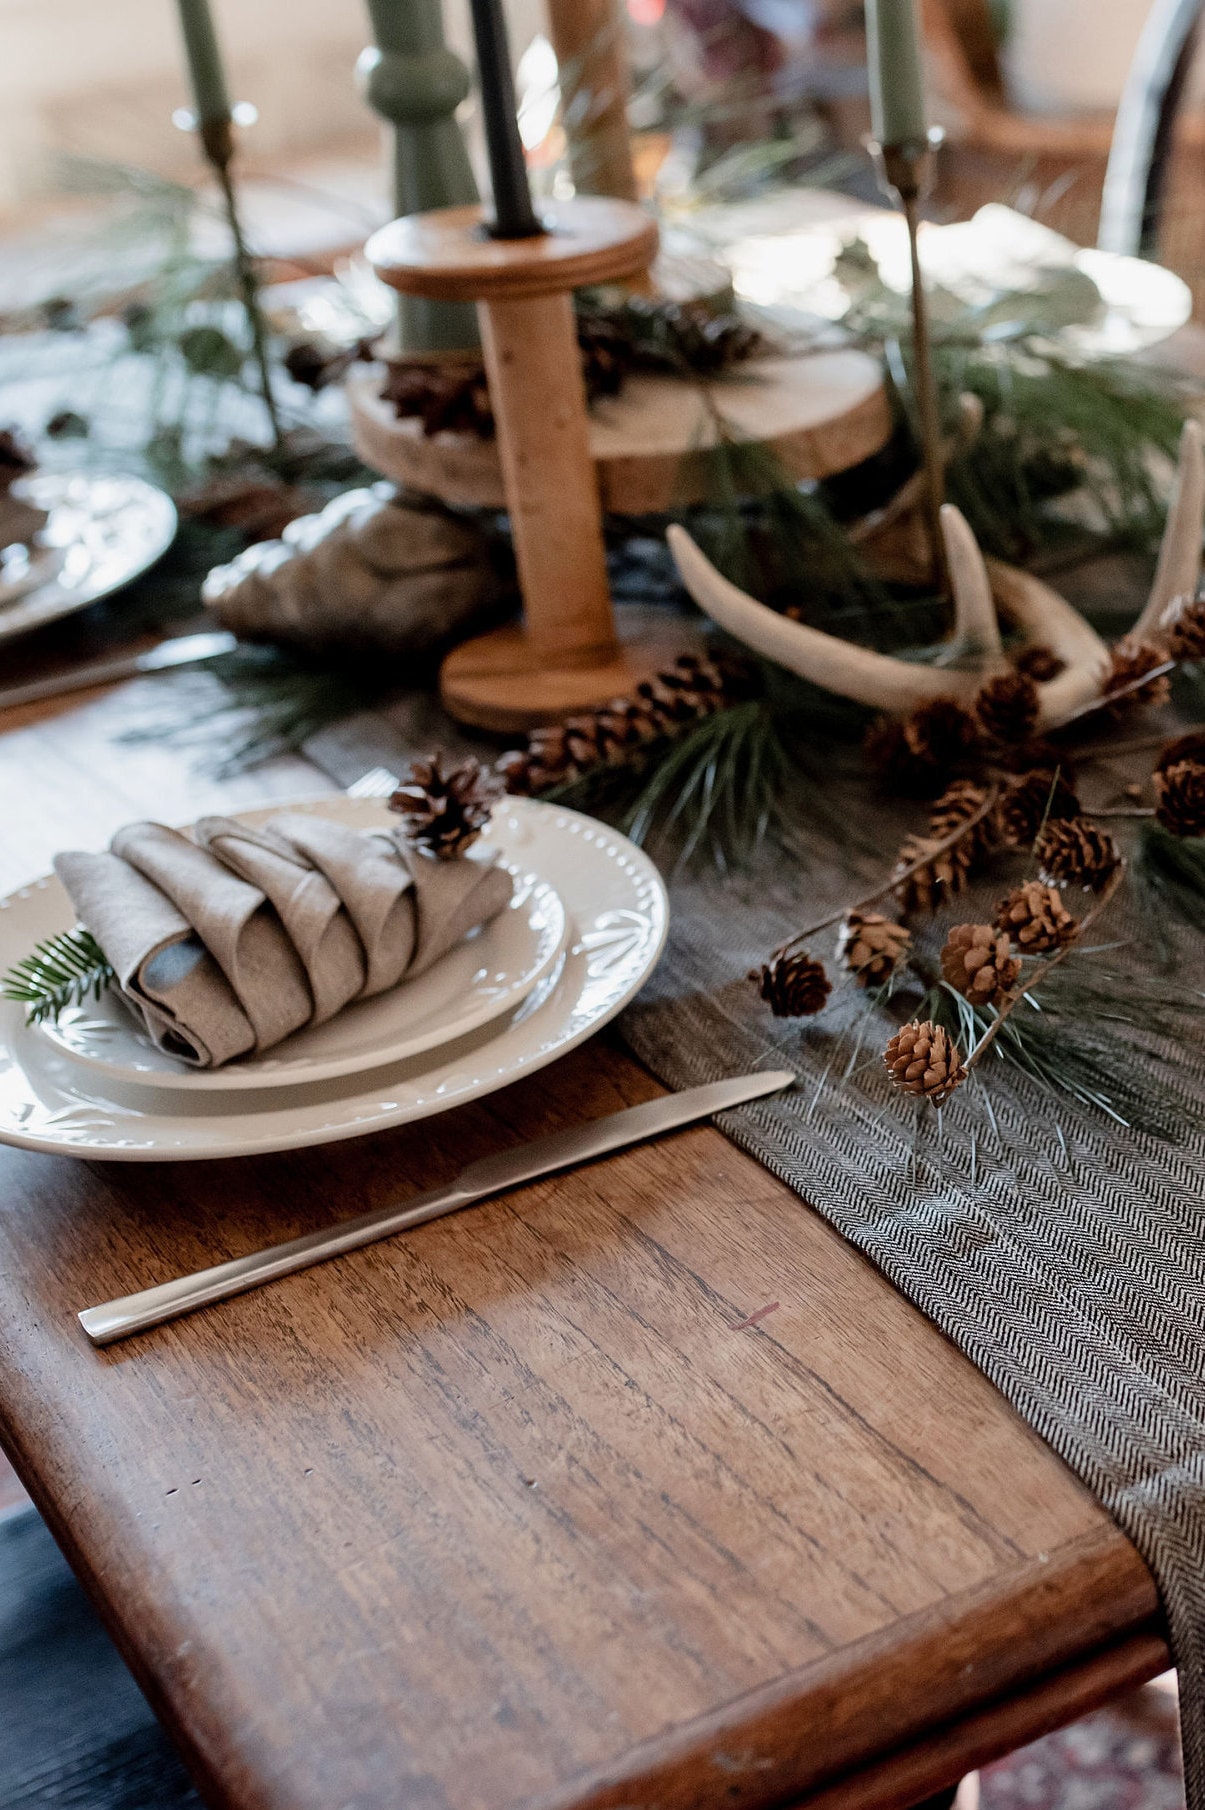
{"x":636,"y":1488}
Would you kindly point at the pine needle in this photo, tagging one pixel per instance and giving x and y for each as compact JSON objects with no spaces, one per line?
{"x":64,"y":971}
{"x":1172,"y":869}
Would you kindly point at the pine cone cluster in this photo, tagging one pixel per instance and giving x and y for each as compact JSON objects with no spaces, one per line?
{"x":1184,"y":624}
{"x":558,"y":753}
{"x":1180,"y":798}
{"x":1006,"y":709}
{"x":978,"y":962}
{"x":871,"y":947}
{"x":1035,"y":918}
{"x":793,"y":986}
{"x":924,"y":1060}
{"x":445,"y":810}
{"x":1040,"y":664}
{"x":1036,"y":798}
{"x":919,"y":754}
{"x":1129,"y":659}
{"x":1075,"y":852}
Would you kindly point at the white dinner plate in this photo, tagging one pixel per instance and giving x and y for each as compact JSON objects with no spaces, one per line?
{"x":490,"y":973}
{"x":618,"y":918}
{"x":102,"y":533}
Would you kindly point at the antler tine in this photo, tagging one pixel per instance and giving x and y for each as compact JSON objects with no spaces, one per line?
{"x":976,"y":625}
{"x":1045,"y":618}
{"x":854,"y":672}
{"x":1179,"y":569}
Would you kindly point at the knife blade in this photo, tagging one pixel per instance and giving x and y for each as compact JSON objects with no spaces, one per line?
{"x":181,"y":650}
{"x":129,"y":1314}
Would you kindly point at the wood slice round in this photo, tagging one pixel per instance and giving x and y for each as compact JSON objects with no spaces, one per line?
{"x":820,"y":413}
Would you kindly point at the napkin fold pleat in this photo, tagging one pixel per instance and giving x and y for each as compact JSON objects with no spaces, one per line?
{"x":227,"y":943}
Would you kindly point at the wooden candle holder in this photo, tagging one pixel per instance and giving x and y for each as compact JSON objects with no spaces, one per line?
{"x":567,"y":655}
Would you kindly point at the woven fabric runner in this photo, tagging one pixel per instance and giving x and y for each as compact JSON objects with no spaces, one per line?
{"x":1063,"y":1253}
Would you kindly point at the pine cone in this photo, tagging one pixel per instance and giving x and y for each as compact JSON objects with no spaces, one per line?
{"x":1185,"y":747}
{"x":979,"y":964}
{"x":1184,"y":624}
{"x":919,"y":754}
{"x":924,"y":1060}
{"x":1180,"y":798}
{"x":1006,"y":709}
{"x":1040,"y":664}
{"x":793,"y":986}
{"x":940,"y":877}
{"x":871,"y":947}
{"x":448,"y":398}
{"x":444,"y":812}
{"x":691,"y":689}
{"x":1075,"y":850}
{"x":1038,"y":797}
{"x":1036,"y":918}
{"x":1129,"y":659}
{"x":1028,"y":756}
{"x":957,"y":805}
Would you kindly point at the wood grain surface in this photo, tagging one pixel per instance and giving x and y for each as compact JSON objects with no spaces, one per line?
{"x":636,"y":1488}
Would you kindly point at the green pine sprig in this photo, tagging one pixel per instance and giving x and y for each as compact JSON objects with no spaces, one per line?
{"x":63,"y":971}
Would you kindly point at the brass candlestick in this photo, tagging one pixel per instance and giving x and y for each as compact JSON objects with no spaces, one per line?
{"x":906,"y":173}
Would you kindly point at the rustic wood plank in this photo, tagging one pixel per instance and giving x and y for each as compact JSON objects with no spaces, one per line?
{"x":638,"y":1485}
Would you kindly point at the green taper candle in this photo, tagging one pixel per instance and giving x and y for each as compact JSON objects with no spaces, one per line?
{"x":210,"y":98}
{"x":897,"y":85}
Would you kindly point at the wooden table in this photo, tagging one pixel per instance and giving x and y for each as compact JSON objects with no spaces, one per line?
{"x":638,"y":1488}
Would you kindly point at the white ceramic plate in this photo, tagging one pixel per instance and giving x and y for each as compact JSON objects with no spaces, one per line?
{"x":102,"y":533}
{"x":618,"y":917}
{"x":489,"y":973}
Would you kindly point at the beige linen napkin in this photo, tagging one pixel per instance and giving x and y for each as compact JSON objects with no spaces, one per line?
{"x":230,"y":943}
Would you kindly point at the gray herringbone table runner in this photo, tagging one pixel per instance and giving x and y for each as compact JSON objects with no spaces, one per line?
{"x":1064,"y":1254}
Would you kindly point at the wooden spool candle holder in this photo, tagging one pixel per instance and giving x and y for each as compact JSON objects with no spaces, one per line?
{"x":567,"y":655}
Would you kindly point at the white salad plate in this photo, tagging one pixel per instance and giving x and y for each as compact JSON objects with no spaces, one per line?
{"x":102,"y":532}
{"x":618,"y":918}
{"x":489,"y":973}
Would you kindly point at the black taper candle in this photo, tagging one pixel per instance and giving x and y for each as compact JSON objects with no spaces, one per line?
{"x":514,"y":216}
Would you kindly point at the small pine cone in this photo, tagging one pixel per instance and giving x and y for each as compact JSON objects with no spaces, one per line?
{"x":1074,"y":850}
{"x":1180,"y":798}
{"x":1039,"y":797}
{"x":1006,"y":709}
{"x":793,"y":986}
{"x":1027,"y":756}
{"x":1129,"y":659}
{"x":924,"y":1060}
{"x":958,"y":805}
{"x":1040,"y":664}
{"x":444,"y":811}
{"x":1185,"y":747}
{"x":1184,"y":625}
{"x":942,"y":873}
{"x":1036,"y":918}
{"x":979,"y":964}
{"x":919,"y":754}
{"x":871,"y":947}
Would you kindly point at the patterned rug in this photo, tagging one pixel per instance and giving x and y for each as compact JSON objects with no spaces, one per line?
{"x":77,"y":1734}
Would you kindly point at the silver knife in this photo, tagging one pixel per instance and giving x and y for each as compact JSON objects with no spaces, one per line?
{"x":491,"y":1175}
{"x":182,"y":650}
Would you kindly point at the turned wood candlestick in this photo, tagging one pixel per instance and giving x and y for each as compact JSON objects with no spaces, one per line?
{"x":567,"y":655}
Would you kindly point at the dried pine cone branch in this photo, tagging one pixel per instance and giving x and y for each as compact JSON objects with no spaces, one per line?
{"x":1035,"y":918}
{"x":1184,"y":624}
{"x":978,"y":963}
{"x":1130,"y":658}
{"x":1006,"y":709}
{"x":1075,"y":851}
{"x":918,"y":755}
{"x":1180,"y":798}
{"x":871,"y":947}
{"x":793,"y":986}
{"x":1036,"y":798}
{"x":924,"y":1060}
{"x":444,"y":811}
{"x":556,"y":755}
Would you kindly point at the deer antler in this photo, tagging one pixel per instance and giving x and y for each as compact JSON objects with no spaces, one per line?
{"x":981,"y":590}
{"x":1179,"y":570}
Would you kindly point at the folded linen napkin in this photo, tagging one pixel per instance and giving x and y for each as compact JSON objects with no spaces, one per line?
{"x":228,"y":943}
